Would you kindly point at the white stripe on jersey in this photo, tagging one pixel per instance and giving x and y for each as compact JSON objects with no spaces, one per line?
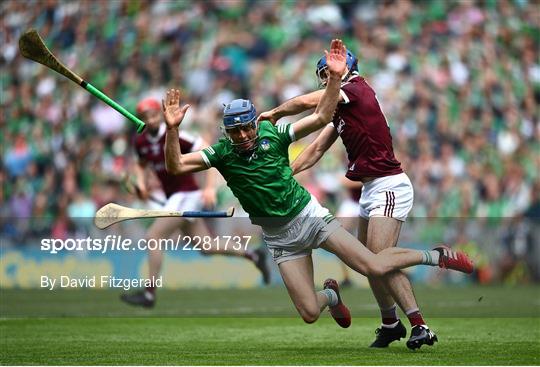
{"x":345,"y":98}
{"x":205,"y":159}
{"x":211,"y":150}
{"x":291,"y":133}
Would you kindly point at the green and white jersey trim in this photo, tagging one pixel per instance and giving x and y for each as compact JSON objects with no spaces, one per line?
{"x":207,"y":150}
{"x":282,"y":129}
{"x":205,"y":158}
{"x":328,"y":218}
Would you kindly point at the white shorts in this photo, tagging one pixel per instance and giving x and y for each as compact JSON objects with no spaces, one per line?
{"x":348,"y":208}
{"x":390,"y":196}
{"x":308,"y":230}
{"x":183,"y":201}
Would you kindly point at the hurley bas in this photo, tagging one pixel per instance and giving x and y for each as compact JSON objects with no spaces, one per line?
{"x":103,"y":281}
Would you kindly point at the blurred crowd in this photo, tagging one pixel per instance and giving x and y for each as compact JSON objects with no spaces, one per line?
{"x":459,"y":83}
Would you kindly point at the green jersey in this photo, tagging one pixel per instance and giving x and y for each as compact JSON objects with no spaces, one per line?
{"x":262,"y":181}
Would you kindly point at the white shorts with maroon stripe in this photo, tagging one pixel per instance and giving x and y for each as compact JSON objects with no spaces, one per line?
{"x":184,"y":201}
{"x":390,"y":196}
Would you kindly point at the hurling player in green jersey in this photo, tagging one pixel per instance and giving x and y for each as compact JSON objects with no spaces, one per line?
{"x":253,"y":159}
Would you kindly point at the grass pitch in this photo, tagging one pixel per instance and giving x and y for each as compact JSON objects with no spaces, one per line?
{"x":475,"y":326}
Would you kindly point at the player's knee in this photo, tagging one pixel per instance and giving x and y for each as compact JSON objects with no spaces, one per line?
{"x":310,"y":318}
{"x":370,"y":266}
{"x":309,"y":314}
{"x":376,"y":269}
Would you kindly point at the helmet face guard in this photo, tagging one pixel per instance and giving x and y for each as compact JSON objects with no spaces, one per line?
{"x":240,"y":114}
{"x":322,"y":66}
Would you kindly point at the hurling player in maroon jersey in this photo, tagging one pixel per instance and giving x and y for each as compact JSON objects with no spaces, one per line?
{"x":183,"y":194}
{"x":387,"y":193}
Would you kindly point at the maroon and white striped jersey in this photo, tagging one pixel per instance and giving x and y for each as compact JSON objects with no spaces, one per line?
{"x":151,"y":150}
{"x":364,"y":131}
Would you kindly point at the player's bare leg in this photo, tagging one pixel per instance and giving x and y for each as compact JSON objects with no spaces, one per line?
{"x":199,"y":228}
{"x":258,"y":256}
{"x":391,"y":327}
{"x":382,"y":295}
{"x":349,"y":223}
{"x":361,"y":259}
{"x":380,"y":233}
{"x":297,"y":275}
{"x":160,"y":228}
{"x":164,"y":228}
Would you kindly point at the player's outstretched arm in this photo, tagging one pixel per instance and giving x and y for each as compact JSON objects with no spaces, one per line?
{"x":335,"y":59}
{"x":177,"y":163}
{"x":293,"y":106}
{"x":209,"y":194}
{"x":313,"y":153}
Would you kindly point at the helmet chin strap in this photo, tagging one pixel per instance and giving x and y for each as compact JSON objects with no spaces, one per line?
{"x":236,"y":145}
{"x":252,"y":148}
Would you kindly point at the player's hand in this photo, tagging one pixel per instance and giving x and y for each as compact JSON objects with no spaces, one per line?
{"x":209,"y":197}
{"x":134,"y":189}
{"x":269,"y":116}
{"x":336,"y":58}
{"x":172,"y":112}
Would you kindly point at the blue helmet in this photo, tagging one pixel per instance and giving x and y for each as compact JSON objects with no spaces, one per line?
{"x":240,"y":113}
{"x":352,"y":65}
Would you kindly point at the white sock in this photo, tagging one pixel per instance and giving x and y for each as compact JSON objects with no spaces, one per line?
{"x":149,"y":295}
{"x":391,"y":326}
{"x":331,"y":296}
{"x":430,"y":257}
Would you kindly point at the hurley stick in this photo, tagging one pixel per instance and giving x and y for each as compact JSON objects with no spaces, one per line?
{"x":113,"y":213}
{"x":32,"y":47}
